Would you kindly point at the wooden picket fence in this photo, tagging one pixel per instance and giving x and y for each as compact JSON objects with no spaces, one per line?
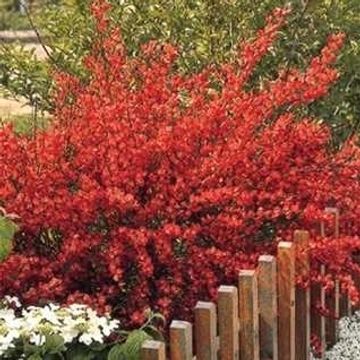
{"x":266,"y":316}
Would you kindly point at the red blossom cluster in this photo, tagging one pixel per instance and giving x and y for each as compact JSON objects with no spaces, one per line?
{"x":152,"y":188}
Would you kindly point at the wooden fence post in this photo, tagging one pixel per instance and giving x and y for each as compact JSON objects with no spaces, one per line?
{"x":302,"y":297}
{"x":356,"y":278}
{"x":248,"y":315}
{"x":228,"y":322}
{"x":153,"y":350}
{"x":181,"y":346}
{"x":268,"y":307}
{"x":318,"y":320}
{"x":344,"y":306}
{"x":332,"y":298}
{"x":286,"y":305}
{"x":205,"y":331}
{"x":335,"y":212}
{"x":331,"y":325}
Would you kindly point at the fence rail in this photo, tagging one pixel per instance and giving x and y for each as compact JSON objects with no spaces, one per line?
{"x":266,"y":316}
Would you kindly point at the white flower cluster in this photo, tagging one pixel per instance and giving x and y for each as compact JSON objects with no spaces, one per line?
{"x":73,"y":323}
{"x":348,"y":346}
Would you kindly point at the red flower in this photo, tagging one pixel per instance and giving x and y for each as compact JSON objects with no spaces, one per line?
{"x":151,"y":189}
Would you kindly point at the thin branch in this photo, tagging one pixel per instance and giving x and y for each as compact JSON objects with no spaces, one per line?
{"x":39,"y":37}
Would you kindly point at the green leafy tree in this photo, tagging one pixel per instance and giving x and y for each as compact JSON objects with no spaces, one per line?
{"x":206,"y":32}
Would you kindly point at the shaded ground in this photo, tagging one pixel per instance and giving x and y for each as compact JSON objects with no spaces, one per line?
{"x":12,"y":107}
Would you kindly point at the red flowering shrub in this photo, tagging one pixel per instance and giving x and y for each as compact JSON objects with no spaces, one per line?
{"x":151,"y":189}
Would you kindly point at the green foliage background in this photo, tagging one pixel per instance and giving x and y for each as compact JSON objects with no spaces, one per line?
{"x":10,"y":18}
{"x":7,"y":231}
{"x":205,"y":31}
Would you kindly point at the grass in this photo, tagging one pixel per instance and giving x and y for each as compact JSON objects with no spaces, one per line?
{"x":11,"y":20}
{"x":25,"y":124}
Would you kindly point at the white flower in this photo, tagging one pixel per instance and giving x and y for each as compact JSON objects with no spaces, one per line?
{"x":32,"y":318}
{"x":49,"y":314}
{"x":12,"y":300}
{"x":7,"y":341}
{"x":37,"y":339}
{"x":73,"y":323}
{"x":69,"y":334}
{"x":8,"y":315}
{"x":70,"y":329}
{"x":77,"y":309}
{"x":85,"y":327}
{"x":92,"y":334}
{"x":9,"y":330}
{"x":107,"y":326}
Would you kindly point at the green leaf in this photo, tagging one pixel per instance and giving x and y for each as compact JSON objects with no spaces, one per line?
{"x":98,"y":347}
{"x":154,"y":333}
{"x":31,"y":349}
{"x":158,"y":316}
{"x":57,"y":356}
{"x":80,"y":352}
{"x":54,"y":344}
{"x":35,"y":357}
{"x":130,"y":350}
{"x":117,"y":352}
